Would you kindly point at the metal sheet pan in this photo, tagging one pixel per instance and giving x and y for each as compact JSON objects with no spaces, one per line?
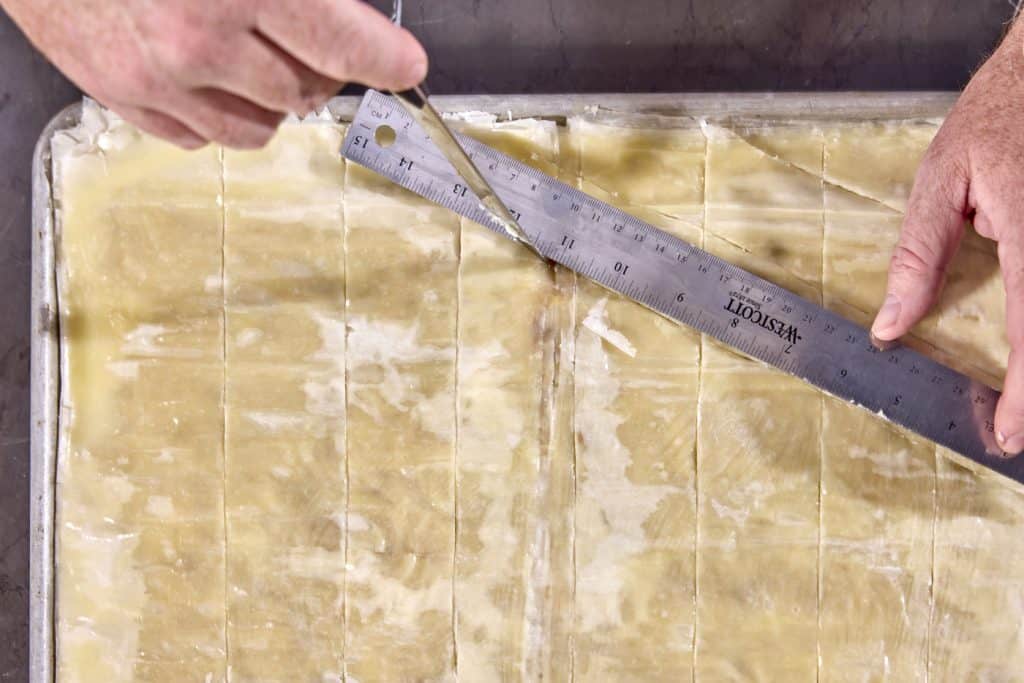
{"x":45,"y":398}
{"x":46,"y":381}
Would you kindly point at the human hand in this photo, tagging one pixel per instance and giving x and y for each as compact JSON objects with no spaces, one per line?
{"x":974,"y":169}
{"x":225,"y":71}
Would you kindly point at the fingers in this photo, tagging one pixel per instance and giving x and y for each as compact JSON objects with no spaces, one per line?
{"x":259,"y":71}
{"x":162,"y":126}
{"x":275,"y":71}
{"x":1010,"y":411}
{"x":346,"y":40}
{"x":931,"y":233}
{"x":224,"y":118}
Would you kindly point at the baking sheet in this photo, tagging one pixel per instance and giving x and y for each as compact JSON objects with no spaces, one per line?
{"x":45,"y":390}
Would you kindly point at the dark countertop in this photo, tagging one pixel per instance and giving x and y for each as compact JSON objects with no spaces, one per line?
{"x":526,"y":46}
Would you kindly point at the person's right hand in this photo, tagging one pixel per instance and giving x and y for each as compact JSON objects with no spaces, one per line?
{"x":224,"y":71}
{"x":972,"y":170}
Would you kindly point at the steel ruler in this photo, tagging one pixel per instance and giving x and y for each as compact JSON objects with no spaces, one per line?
{"x":691,"y":286}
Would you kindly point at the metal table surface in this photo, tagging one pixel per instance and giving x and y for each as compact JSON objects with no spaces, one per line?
{"x":479,"y":46}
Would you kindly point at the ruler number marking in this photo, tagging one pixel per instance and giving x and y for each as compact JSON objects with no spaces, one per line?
{"x":654,"y":268}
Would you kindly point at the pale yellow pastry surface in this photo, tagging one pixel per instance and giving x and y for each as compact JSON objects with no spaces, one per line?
{"x":316,"y":429}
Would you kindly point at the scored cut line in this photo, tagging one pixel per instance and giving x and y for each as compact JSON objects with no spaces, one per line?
{"x":654,"y":268}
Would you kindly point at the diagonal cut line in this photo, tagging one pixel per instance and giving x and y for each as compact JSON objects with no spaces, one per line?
{"x":821,"y":177}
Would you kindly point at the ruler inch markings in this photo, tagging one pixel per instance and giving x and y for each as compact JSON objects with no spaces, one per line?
{"x":689,"y":285}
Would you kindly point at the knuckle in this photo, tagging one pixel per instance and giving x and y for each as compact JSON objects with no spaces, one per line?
{"x":187,"y":55}
{"x":914,"y":258}
{"x":940,"y":182}
{"x":185,"y":47}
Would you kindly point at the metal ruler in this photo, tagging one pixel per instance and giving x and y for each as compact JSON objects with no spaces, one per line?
{"x":691,"y":286}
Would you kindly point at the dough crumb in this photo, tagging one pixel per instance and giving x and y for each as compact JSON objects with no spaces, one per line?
{"x":597,"y":322}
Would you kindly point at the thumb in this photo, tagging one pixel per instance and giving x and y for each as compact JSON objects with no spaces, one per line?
{"x":385,"y":55}
{"x":345,"y":40}
{"x":931,"y":233}
{"x":1010,"y":410}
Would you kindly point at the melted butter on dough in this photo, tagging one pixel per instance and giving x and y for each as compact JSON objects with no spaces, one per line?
{"x":314,"y":427}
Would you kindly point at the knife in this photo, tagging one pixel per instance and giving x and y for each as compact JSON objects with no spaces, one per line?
{"x":415,"y":101}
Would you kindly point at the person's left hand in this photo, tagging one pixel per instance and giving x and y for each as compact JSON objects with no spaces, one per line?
{"x":974,"y":169}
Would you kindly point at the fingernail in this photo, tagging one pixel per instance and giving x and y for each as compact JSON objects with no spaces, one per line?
{"x":884,"y":344}
{"x":888,"y":316}
{"x":1012,"y":444}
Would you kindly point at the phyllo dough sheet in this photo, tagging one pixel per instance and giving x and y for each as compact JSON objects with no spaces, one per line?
{"x":314,"y":428}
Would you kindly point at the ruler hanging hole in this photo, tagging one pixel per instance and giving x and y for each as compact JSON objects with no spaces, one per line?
{"x":385,"y":135}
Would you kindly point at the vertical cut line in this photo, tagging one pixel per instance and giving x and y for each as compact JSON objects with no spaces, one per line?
{"x":696,"y":434}
{"x":571,"y":332}
{"x":934,"y":565}
{"x":821,"y":448}
{"x":696,"y":506}
{"x":536,"y":610}
{"x":537,"y":619}
{"x":821,"y":526}
{"x":224,"y":400}
{"x":346,"y":440}
{"x":457,"y":445}
{"x":344,"y":406}
{"x":576,"y":153}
